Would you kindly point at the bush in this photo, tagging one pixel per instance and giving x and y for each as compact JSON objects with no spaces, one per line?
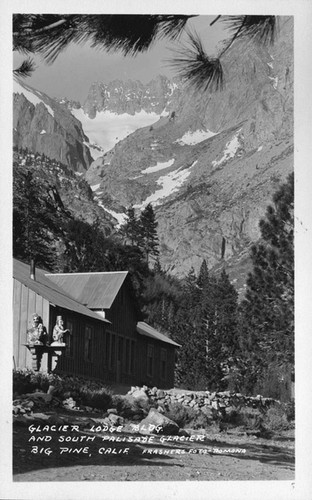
{"x":200,"y":421}
{"x":276,"y":418}
{"x":128,"y":407}
{"x":86,"y":392}
{"x":250,"y":418}
{"x":179,"y":413}
{"x":187,"y":417}
{"x":25,"y":380}
{"x":96,"y":398}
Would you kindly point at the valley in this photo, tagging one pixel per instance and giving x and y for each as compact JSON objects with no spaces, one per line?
{"x":209,"y":163}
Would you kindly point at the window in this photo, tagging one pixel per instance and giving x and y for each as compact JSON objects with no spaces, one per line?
{"x":69,"y":339}
{"x":112,"y":363}
{"x":120,"y":349}
{"x":128,"y":356}
{"x":88,"y":343}
{"x":107,"y":350}
{"x":163,"y":363}
{"x":132,"y":356}
{"x":150,"y":359}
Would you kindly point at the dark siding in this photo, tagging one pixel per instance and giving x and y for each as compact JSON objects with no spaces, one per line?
{"x":123,"y":320}
{"x":156,"y":378}
{"x":95,"y":367}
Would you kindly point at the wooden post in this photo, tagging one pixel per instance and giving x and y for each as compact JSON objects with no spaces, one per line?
{"x":53,"y":354}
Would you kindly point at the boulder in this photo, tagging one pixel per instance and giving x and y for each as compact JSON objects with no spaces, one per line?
{"x":112,"y":410}
{"x":41,"y":397}
{"x":160,"y":394}
{"x":115,"y":420}
{"x":155,"y":419}
{"x":140,"y":394}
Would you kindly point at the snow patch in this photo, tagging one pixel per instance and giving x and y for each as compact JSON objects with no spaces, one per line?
{"x":270,"y":64}
{"x":275,"y":81}
{"x":154,"y":145}
{"x":260,"y":148}
{"x":170,"y":184}
{"x":136,"y":177}
{"x":172,"y":86}
{"x":31,"y":95}
{"x":230,"y":150}
{"x":104,"y":129}
{"x":190,"y":138}
{"x":120,"y":217}
{"x":43,"y":132}
{"x":95,"y":186}
{"x":158,"y":166}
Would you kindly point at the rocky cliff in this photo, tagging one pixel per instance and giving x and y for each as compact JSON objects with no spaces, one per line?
{"x":128,"y":97}
{"x":43,"y":126}
{"x":211,"y":165}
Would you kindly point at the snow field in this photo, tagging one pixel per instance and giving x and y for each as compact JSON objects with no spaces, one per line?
{"x":169,"y":183}
{"x":230,"y":150}
{"x":108,"y":128}
{"x":192,"y":138}
{"x":158,"y":166}
{"x":121,"y":218}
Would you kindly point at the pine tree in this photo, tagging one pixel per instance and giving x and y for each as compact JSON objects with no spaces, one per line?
{"x":37,"y":224}
{"x":268,"y":308}
{"x":131,"y":230}
{"x":203,"y":275}
{"x":148,"y":227}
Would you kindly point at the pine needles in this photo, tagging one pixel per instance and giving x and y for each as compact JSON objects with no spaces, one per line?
{"x":196,"y":67}
{"x":50,"y":34}
{"x":25,"y":69}
{"x":203,"y":72}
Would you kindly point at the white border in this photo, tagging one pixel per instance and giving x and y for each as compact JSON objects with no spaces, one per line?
{"x":301,"y":10}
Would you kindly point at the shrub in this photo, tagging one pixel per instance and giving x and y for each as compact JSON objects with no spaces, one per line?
{"x":200,"y":421}
{"x":185,"y":416}
{"x":127,"y":407}
{"x":250,"y":418}
{"x":179,"y":413}
{"x":276,"y":418}
{"x":97,"y":398}
{"x":87,"y":392}
{"x":25,"y":380}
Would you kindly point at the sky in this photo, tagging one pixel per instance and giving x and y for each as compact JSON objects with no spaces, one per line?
{"x":75,"y":69}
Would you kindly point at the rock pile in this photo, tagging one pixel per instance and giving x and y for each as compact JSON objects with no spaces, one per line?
{"x":204,"y":401}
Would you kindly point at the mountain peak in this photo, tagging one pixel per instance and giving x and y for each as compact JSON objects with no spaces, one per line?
{"x":128,"y":97}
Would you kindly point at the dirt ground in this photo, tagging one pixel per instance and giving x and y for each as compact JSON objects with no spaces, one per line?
{"x":220,"y":456}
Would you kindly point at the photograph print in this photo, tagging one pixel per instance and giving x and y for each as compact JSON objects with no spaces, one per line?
{"x":153,"y":248}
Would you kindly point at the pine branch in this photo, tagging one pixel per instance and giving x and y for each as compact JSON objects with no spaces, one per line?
{"x":262,"y":29}
{"x":196,"y":67}
{"x":49,"y":35}
{"x":25,"y":69}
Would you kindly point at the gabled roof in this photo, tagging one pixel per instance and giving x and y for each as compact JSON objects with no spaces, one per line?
{"x":149,"y":331}
{"x":94,"y":290}
{"x":44,"y":286}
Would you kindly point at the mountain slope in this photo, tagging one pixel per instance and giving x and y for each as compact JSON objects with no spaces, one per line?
{"x":211,"y":165}
{"x":43,"y":126}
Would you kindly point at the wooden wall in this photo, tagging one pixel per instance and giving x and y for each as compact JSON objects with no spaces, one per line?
{"x":123,"y":350}
{"x":77,"y":362}
{"x":25,"y":304}
{"x":155,"y":378}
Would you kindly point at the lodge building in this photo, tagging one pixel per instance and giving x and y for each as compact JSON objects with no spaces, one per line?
{"x":107,"y":339}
